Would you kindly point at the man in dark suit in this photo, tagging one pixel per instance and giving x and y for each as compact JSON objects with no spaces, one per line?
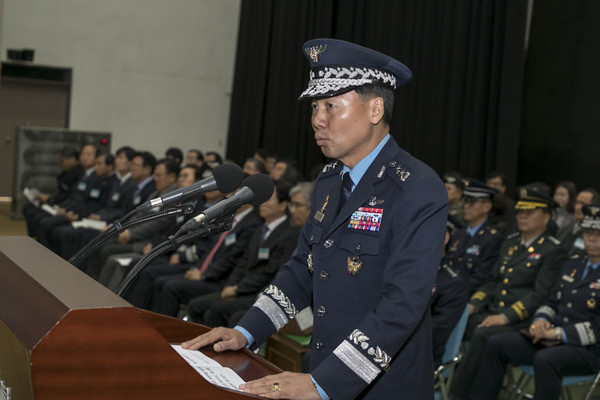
{"x":571,"y":316}
{"x":271,"y":245}
{"x":369,"y":253}
{"x":522,"y":278}
{"x":164,"y":288}
{"x":473,"y":250}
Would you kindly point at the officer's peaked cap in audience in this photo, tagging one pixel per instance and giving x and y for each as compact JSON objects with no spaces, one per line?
{"x":337,"y":67}
{"x":591,"y":217}
{"x":477,"y":189}
{"x":530,"y":199}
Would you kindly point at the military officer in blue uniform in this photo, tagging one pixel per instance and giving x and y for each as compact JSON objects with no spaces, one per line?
{"x":570,"y":316}
{"x":529,"y":262}
{"x":473,"y":250}
{"x":448,"y":300}
{"x":367,"y":258}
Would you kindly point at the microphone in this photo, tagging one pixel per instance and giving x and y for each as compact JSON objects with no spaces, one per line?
{"x":225,"y":178}
{"x":256,"y":189}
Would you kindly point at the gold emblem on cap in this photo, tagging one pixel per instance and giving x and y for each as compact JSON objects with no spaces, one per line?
{"x":314,"y":52}
{"x":523,"y":192}
{"x":594,"y":211}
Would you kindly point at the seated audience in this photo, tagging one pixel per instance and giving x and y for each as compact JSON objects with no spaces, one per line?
{"x":564,"y":196}
{"x":521,"y":280}
{"x":571,"y":236}
{"x":454,"y":185}
{"x":252,"y":166}
{"x":175,"y":154}
{"x":448,"y":299}
{"x":569,"y":317}
{"x":299,"y":205}
{"x":270,"y":247}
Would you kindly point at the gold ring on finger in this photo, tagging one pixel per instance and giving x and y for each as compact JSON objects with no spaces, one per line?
{"x":275,"y":387}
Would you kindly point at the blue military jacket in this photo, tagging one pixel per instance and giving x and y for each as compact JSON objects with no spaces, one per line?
{"x":367,"y":270}
{"x":474,"y":257}
{"x":574,"y":303}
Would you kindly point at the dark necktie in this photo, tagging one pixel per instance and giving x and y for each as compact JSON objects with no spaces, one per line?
{"x":263,"y":236}
{"x":346,"y":189}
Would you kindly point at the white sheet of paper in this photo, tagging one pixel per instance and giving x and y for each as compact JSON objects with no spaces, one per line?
{"x":210,"y":370}
{"x":31,"y":194}
{"x":124,"y":262}
{"x":89,"y":223}
{"x":49,"y":209}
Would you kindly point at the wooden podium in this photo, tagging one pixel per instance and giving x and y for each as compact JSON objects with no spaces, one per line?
{"x":65,"y":336}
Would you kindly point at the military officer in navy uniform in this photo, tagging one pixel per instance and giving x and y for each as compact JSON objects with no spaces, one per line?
{"x":571,"y":316}
{"x":368,"y":255}
{"x":529,"y":262}
{"x":448,"y":300}
{"x":474,"y":250}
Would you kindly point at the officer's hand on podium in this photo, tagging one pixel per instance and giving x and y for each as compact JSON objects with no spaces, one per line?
{"x":287,"y":385}
{"x":223,"y":339}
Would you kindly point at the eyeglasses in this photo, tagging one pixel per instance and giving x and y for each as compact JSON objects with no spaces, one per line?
{"x":295,"y":204}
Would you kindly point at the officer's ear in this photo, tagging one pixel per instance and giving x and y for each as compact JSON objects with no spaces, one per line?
{"x":376,"y":110}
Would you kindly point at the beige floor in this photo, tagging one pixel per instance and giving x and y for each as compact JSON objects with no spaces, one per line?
{"x":9,"y":226}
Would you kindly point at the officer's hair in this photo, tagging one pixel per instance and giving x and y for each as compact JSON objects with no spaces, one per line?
{"x":174,"y":153}
{"x":171,"y":166}
{"x":109,"y":159}
{"x":148,"y":160}
{"x":595,"y":194}
{"x":368,"y":92}
{"x":129,"y":152}
{"x":306,"y":188}
{"x":282,"y":190}
{"x":199,"y":154}
{"x":197,"y":171}
{"x":259,"y":165}
{"x":96,"y":149}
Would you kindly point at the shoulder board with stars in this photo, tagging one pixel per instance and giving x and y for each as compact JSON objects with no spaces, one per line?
{"x":396,"y":169}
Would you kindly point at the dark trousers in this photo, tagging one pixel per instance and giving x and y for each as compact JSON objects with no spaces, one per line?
{"x":468,"y":367}
{"x":175,"y":292}
{"x":141,"y":293}
{"x":550,"y":365}
{"x":212,"y":311}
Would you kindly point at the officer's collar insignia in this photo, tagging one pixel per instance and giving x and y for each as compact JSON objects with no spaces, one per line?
{"x":330,"y":166}
{"x":573,"y":272}
{"x":402,"y":173}
{"x":381,"y":171}
{"x":374,"y":201}
{"x":314,"y":52}
{"x":541,"y":240}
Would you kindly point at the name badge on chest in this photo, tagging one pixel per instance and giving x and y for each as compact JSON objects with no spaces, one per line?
{"x":81,"y":186}
{"x":264,"y":253}
{"x":230,"y":239}
{"x":366,"y":219}
{"x":115,"y":196}
{"x":95,"y":193}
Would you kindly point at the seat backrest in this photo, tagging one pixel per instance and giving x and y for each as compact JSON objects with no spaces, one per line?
{"x":456,"y":337}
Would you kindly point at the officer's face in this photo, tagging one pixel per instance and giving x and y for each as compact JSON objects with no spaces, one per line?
{"x":476,"y":209}
{"x":582,"y":199}
{"x":591,"y":239}
{"x":186,"y":178}
{"x":532,"y":220}
{"x":272,"y":209}
{"x":343,"y":127}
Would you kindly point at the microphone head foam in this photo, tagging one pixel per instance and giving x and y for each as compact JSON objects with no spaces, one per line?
{"x":262,"y":187}
{"x":228,"y":177}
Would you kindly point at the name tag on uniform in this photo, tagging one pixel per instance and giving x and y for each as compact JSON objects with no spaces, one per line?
{"x":95,"y":193}
{"x":366,"y":219}
{"x":230,"y":239}
{"x":568,"y":278}
{"x":81,"y":186}
{"x":115,"y":196}
{"x":579,"y":244}
{"x":264,"y":253}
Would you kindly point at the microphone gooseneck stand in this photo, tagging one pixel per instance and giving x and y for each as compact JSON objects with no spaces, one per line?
{"x":118,"y":226}
{"x":218,"y":226}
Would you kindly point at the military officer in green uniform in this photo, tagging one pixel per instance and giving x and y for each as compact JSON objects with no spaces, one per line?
{"x":529,"y":263}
